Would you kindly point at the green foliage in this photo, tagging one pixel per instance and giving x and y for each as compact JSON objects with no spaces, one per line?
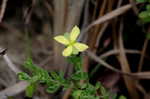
{"x":143,"y":1}
{"x":79,"y":75}
{"x":10,"y":97}
{"x":55,"y":80}
{"x":31,"y":89}
{"x":148,"y":7}
{"x":145,"y":15}
{"x":86,"y":91}
{"x":122,"y":97}
{"x":76,"y":61}
{"x":148,"y":36}
{"x":23,"y":76}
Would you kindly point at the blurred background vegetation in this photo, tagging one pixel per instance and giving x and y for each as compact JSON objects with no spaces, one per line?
{"x":111,"y":28}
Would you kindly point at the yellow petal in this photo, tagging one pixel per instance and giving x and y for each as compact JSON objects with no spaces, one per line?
{"x":74,"y":33}
{"x":67,"y":51}
{"x":62,"y":40}
{"x":80,"y":46}
{"x":74,"y":51}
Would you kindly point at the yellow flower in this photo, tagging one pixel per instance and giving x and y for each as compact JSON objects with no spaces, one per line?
{"x":69,"y":40}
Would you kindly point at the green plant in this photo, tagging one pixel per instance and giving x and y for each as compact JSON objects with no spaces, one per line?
{"x":145,"y":15}
{"x":70,"y":40}
{"x":141,"y":1}
{"x":55,"y":80}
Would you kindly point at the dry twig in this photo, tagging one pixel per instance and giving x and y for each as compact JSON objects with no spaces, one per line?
{"x":142,"y":55}
{"x":114,"y":52}
{"x":108,"y":16}
{"x":130,"y":84}
{"x":139,"y":75}
{"x":3,"y":8}
{"x":17,"y":88}
{"x":8,"y":61}
{"x":13,"y":90}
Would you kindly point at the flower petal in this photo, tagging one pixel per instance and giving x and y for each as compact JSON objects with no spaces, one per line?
{"x":74,"y":33}
{"x":62,"y":40}
{"x":74,"y":51}
{"x":67,"y":35}
{"x":67,"y":51}
{"x":80,"y":46}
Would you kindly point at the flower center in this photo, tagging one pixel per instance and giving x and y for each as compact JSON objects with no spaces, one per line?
{"x":72,"y":43}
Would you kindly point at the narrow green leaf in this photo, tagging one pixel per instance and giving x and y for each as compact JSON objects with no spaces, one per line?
{"x":29,"y":65}
{"x":148,"y":7}
{"x":30,"y":90}
{"x":148,"y":36}
{"x":76,"y":61}
{"x":34,"y":79}
{"x":122,"y":97}
{"x":80,"y":75}
{"x":76,"y":94}
{"x":52,"y":88}
{"x":141,"y":1}
{"x":98,"y":85}
{"x":144,"y":14}
{"x":23,"y":76}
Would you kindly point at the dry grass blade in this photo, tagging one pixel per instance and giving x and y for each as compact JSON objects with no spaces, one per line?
{"x":104,"y":27}
{"x":10,"y":64}
{"x":135,"y":9}
{"x":92,"y":37}
{"x":141,"y":89}
{"x":100,"y":61}
{"x":140,"y":75}
{"x":115,"y":52}
{"x":143,"y":52}
{"x":8,"y":61}
{"x":130,"y":83}
{"x":142,"y":55}
{"x":17,"y":88}
{"x":3,"y":8}
{"x":13,"y":90}
{"x":109,"y":16}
